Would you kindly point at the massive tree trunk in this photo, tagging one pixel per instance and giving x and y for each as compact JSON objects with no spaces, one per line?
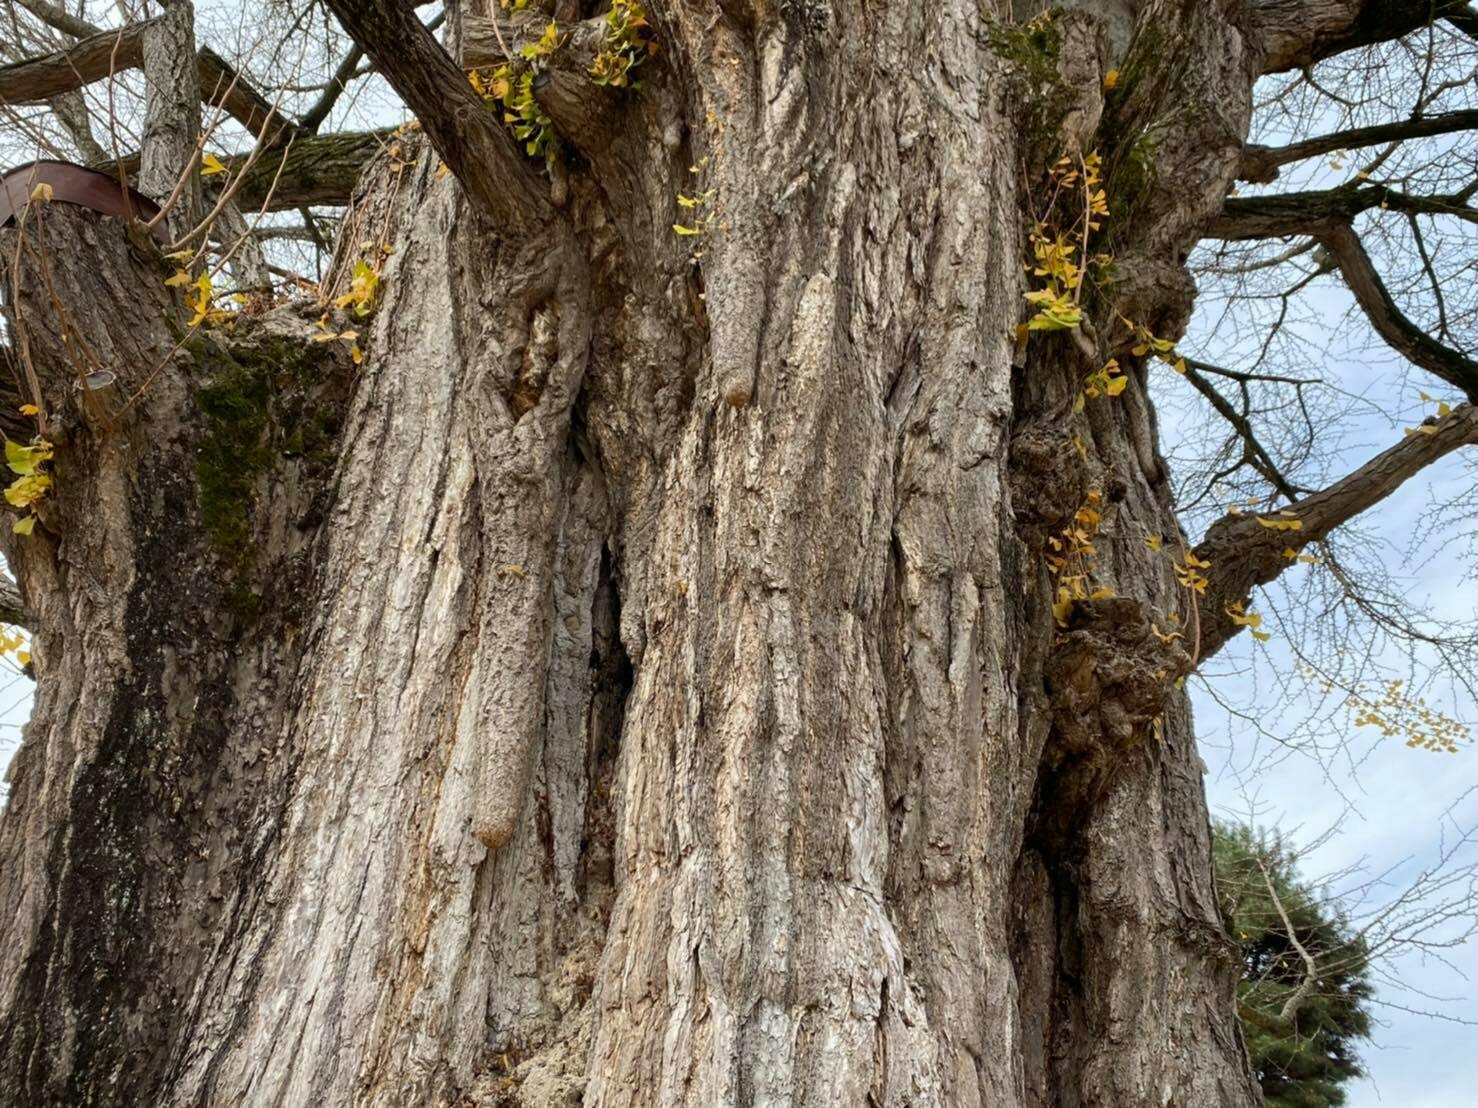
{"x":638,"y":683}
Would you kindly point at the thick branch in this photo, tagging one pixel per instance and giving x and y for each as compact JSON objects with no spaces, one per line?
{"x":1403,"y":336}
{"x":1296,"y":33}
{"x":58,"y":18}
{"x":345,"y":72}
{"x":222,"y":86}
{"x":12,"y":609}
{"x":1260,"y":163}
{"x":1244,"y":551}
{"x":320,"y":170}
{"x":100,"y":55}
{"x":171,"y":135}
{"x":1326,"y":216}
{"x":464,"y":132}
{"x":107,"y":53}
{"x":1304,"y":213}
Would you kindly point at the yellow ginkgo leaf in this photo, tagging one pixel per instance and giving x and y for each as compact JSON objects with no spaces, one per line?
{"x":1110,"y":79}
{"x":25,"y":525}
{"x":41,"y":193}
{"x":210,"y":165}
{"x":179,"y":279}
{"x":29,"y":410}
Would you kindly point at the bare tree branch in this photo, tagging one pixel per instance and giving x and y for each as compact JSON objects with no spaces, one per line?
{"x":57,"y":17}
{"x":1296,"y":33}
{"x":1248,"y":550}
{"x":464,"y":132}
{"x":1255,"y":454}
{"x":1403,"y":336}
{"x":105,"y":53}
{"x":1303,"y":213}
{"x":95,"y":57}
{"x":345,"y":72}
{"x":1260,"y":164}
{"x":320,"y":169}
{"x":12,"y":608}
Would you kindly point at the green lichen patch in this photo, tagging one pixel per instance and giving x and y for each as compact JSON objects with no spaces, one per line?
{"x":1031,"y":48}
{"x":263,"y":404}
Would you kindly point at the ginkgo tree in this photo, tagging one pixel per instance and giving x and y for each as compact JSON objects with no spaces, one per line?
{"x":653,"y":579}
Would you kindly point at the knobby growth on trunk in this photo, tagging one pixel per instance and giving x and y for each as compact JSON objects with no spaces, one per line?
{"x":704,"y":653}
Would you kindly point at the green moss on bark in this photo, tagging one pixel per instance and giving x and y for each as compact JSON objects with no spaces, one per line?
{"x":261,"y":407}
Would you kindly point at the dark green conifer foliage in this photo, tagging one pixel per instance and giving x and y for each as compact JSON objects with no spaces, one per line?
{"x":1303,"y":1058}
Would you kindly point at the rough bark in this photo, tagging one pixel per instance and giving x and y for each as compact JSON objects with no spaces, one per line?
{"x":171,"y":138}
{"x":660,"y":702}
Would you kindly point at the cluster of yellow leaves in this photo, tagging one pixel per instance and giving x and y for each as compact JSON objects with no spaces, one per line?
{"x":1285,"y":520}
{"x":200,"y":302}
{"x":201,"y":299}
{"x":1251,"y":620}
{"x":30,"y":485}
{"x":1168,"y":636}
{"x":628,"y":42}
{"x":14,"y":643}
{"x":1188,"y":573}
{"x":513,"y":95}
{"x":1108,"y":381}
{"x":1145,"y":342}
{"x":328,"y":334}
{"x":398,"y":161}
{"x":364,"y":287}
{"x":1070,"y":561}
{"x":1061,"y":255}
{"x":1430,"y":428}
{"x":1396,"y":714}
{"x":1189,"y":576}
{"x":702,"y":211}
